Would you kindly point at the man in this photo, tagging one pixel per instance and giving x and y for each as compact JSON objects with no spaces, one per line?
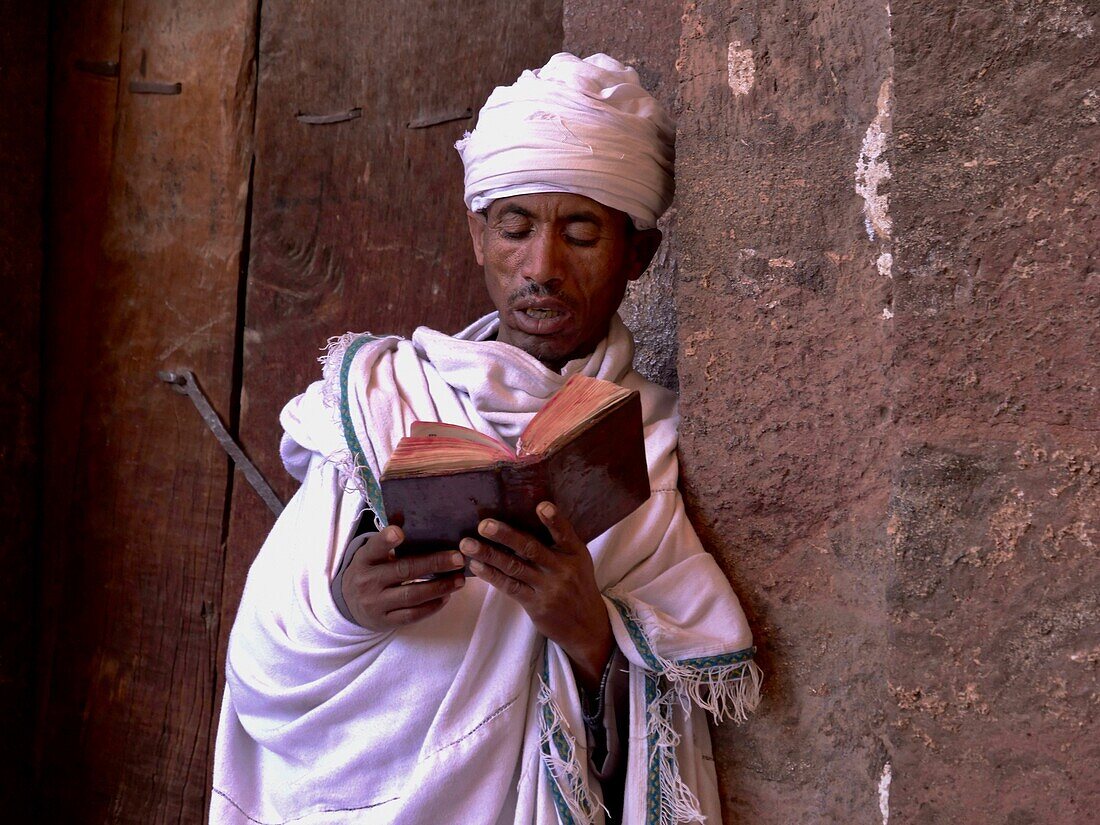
{"x":557,"y":678}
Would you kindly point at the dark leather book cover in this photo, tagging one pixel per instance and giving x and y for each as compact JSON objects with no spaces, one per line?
{"x":598,"y":478}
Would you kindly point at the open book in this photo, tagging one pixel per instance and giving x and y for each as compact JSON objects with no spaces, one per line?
{"x":584,"y":451}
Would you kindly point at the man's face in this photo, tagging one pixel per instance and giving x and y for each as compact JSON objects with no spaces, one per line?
{"x":556,"y":267}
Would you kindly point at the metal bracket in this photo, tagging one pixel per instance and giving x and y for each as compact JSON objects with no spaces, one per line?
{"x":332,"y":117}
{"x":184,"y":382}
{"x":439,"y":118}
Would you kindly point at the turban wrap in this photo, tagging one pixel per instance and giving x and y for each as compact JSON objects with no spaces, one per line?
{"x":581,"y":126}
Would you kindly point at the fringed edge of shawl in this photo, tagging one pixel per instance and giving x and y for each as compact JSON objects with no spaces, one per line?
{"x":568,"y":777}
{"x":727,"y":685}
{"x":351,"y":463}
{"x":331,"y":362}
{"x":675,"y":802}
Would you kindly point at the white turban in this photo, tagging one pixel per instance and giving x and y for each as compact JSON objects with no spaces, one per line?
{"x":581,"y":126}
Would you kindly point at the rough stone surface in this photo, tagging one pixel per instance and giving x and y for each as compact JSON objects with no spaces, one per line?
{"x":887,"y":309}
{"x":995,"y":638}
{"x":783,"y":347}
{"x":995,"y":618}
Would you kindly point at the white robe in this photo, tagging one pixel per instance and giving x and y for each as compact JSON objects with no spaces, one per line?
{"x":469,"y":716}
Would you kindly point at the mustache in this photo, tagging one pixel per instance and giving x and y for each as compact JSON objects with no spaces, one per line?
{"x":536,"y":290}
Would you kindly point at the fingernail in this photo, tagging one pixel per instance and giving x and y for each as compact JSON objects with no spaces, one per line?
{"x":392,"y":534}
{"x":476,"y":566}
{"x":547,"y":509}
{"x":460,"y":582}
{"x":457,"y":559}
{"x":487,"y":527}
{"x":468,"y":546}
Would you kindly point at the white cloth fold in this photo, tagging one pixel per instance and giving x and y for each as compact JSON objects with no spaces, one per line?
{"x":582,"y":126}
{"x":469,"y":715}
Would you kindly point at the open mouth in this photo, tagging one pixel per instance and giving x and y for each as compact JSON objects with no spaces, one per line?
{"x":540,"y":313}
{"x":544,"y":316}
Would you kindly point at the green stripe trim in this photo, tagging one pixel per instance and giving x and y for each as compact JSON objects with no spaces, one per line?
{"x":637,"y":636}
{"x":721,"y":660}
{"x":565,"y":816}
{"x":653,"y":771}
{"x":657,"y":756}
{"x":362,"y":469}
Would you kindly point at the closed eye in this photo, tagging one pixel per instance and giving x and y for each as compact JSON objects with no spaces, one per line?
{"x":575,"y":241}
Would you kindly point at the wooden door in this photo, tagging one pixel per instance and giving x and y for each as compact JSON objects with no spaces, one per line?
{"x":201,"y":219}
{"x":147,"y":212}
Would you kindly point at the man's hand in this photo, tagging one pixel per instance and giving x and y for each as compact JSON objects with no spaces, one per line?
{"x":374,"y":586}
{"x":556,"y":586}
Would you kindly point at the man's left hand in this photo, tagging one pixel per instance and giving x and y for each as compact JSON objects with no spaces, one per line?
{"x":555,"y":585}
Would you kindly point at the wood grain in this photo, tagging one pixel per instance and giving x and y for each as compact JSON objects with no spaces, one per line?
{"x":148,"y":211}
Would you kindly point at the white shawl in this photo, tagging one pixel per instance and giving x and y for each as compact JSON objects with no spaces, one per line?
{"x":469,"y":716}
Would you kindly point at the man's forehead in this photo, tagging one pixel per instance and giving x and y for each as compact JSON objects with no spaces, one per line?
{"x":556,"y":206}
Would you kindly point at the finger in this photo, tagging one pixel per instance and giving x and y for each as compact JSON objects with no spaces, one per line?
{"x":523,"y":544}
{"x":405,"y":596}
{"x":561,"y":529}
{"x":518,"y":590}
{"x":408,"y":615}
{"x":504,"y":562}
{"x":404,"y":568}
{"x":379,"y":547}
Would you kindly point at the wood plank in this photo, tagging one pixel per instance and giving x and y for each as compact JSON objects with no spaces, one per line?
{"x":135,"y":554}
{"x":23,"y":42}
{"x":360,"y":224}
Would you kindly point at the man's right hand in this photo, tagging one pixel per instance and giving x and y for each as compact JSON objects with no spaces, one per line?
{"x":374,"y":584}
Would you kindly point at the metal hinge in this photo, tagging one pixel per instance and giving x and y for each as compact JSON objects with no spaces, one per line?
{"x":183,"y":382}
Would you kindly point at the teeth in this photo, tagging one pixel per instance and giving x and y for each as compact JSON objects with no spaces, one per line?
{"x":535,"y":312}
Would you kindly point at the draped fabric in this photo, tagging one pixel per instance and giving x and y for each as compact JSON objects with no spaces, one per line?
{"x":469,"y":716}
{"x":581,"y":126}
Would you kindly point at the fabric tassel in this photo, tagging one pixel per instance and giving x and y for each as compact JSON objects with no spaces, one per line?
{"x":727,"y":691}
{"x":678,"y":803}
{"x":726,"y":686}
{"x":331,"y":362}
{"x":559,"y":755}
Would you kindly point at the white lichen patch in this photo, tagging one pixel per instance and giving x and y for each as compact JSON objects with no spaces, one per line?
{"x":887,"y":314}
{"x":885,"y":265}
{"x":884,"y":793}
{"x":742,"y":70}
{"x":872,"y":168}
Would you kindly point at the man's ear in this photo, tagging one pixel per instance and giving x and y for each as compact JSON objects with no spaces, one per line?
{"x":643,"y":246}
{"x":477,"y":224}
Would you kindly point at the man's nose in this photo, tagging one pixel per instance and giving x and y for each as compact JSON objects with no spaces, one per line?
{"x":543,"y":262}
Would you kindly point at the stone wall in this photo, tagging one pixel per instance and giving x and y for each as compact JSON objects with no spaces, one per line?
{"x":885,"y":301}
